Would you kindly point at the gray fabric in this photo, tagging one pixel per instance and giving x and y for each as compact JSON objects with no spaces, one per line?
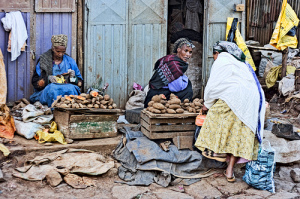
{"x":231,"y":48}
{"x":142,"y":155}
{"x":46,"y":62}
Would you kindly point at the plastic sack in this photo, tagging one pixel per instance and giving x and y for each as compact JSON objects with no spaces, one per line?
{"x":7,"y":124}
{"x":27,"y":129}
{"x":287,"y":20}
{"x":231,"y":33}
{"x":136,"y":100}
{"x":239,"y":41}
{"x":44,"y":136}
{"x":287,"y":85}
{"x":30,"y":113}
{"x":259,"y":173}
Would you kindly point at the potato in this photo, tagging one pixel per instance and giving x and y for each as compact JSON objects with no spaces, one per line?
{"x":109,"y":107}
{"x":196,"y":100}
{"x":156,"y":98}
{"x":190,"y":109}
{"x":96,"y":106}
{"x":186,"y":104}
{"x":100,"y":97}
{"x":83,"y":95}
{"x":77,"y":106}
{"x":162,"y":97}
{"x":174,"y":101}
{"x":84,"y":106}
{"x":80,"y":105}
{"x":70,"y":105}
{"x":179,"y":110}
{"x":192,"y":105}
{"x":158,"y":106}
{"x":114,"y":105}
{"x":94,"y":100}
{"x":171,"y":111}
{"x":62,"y":99}
{"x":102,"y":106}
{"x":174,"y":106}
{"x":106,"y":97}
{"x":154,"y":110}
{"x":167,"y":105}
{"x":197,"y":103}
{"x":67,"y":102}
{"x":163,"y":101}
{"x":104,"y":102}
{"x":73,"y":105}
{"x":186,"y":101}
{"x":111,"y":101}
{"x":148,"y":108}
{"x":90,"y":106}
{"x":151,"y":103}
{"x":197,"y":107}
{"x":163,"y":111}
{"x":172,"y":96}
{"x":88,"y":96}
{"x":97,"y":102}
{"x":201,"y":101}
{"x":64,"y":106}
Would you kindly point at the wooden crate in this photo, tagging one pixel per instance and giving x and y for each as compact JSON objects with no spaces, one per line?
{"x":162,"y":126}
{"x":87,"y":123}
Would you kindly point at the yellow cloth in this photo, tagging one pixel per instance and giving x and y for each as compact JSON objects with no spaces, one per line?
{"x":275,"y":72}
{"x":60,"y":80}
{"x":240,"y":42}
{"x":286,"y":21}
{"x":224,"y":132}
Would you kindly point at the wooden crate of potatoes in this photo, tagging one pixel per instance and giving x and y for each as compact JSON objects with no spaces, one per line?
{"x":162,"y":126}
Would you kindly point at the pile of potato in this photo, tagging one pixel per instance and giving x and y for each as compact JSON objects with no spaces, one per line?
{"x":159,"y":104}
{"x":84,"y":101}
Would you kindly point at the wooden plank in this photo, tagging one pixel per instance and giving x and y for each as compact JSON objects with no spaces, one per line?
{"x":178,"y":115}
{"x":165,"y":135}
{"x":190,"y":119}
{"x":172,"y":128}
{"x":62,"y":119}
{"x":93,"y":118}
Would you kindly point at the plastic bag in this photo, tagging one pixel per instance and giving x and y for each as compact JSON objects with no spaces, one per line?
{"x":7,"y":124}
{"x":287,"y":20}
{"x":259,"y":173}
{"x":27,"y":129}
{"x":136,"y":100}
{"x":239,"y":41}
{"x":44,"y":136}
{"x":231,"y":33}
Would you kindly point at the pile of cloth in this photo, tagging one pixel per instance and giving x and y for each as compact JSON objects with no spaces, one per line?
{"x":144,"y":162}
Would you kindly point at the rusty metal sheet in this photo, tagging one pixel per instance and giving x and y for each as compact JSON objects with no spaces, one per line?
{"x":106,"y":47}
{"x":215,"y":19}
{"x":55,"y":5}
{"x":9,"y":5}
{"x":147,"y":39}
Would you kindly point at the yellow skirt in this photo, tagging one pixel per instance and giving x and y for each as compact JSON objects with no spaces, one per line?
{"x":224,"y":132}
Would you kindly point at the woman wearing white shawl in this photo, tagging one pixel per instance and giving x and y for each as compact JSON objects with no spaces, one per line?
{"x":234,"y":123}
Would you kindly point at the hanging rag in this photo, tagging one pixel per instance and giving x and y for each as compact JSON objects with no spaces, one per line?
{"x":275,"y":72}
{"x":14,"y":22}
{"x":3,"y":82}
{"x":192,"y":19}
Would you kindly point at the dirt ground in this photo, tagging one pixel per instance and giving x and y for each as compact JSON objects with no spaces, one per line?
{"x":108,"y":186}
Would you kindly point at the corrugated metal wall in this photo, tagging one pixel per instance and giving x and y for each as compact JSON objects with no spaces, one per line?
{"x":48,"y":24}
{"x":215,"y":19}
{"x":122,"y":48}
{"x":263,"y":15}
{"x":18,"y":71}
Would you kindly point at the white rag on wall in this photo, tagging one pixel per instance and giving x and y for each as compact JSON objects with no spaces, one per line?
{"x":232,"y":81}
{"x":14,"y":22}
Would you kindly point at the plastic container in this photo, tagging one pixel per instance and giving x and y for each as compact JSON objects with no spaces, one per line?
{"x":200,"y":119}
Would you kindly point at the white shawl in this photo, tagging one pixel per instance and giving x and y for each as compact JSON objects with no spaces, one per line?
{"x":233,"y":82}
{"x":14,"y":22}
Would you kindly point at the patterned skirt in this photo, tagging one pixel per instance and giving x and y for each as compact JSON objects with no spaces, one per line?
{"x":224,"y":132}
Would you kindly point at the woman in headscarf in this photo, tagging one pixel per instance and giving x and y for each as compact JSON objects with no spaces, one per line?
{"x":233,"y":126}
{"x":169,"y":72}
{"x":51,"y":67}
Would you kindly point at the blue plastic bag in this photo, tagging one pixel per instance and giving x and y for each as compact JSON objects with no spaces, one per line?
{"x":259,"y":173}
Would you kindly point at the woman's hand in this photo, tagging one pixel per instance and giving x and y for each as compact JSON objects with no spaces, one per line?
{"x":204,"y":109}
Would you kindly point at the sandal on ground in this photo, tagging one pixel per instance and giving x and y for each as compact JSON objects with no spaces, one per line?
{"x":215,"y":156}
{"x":231,"y":179}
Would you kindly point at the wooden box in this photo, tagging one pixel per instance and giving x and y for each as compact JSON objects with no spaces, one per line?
{"x":162,"y":126}
{"x":87,"y":123}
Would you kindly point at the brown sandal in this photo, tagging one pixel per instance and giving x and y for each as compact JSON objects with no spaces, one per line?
{"x":231,"y":179}
{"x":210,"y":154}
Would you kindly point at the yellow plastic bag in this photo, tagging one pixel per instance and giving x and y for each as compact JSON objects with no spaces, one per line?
{"x":44,"y":136}
{"x":60,"y":80}
{"x":240,"y":42}
{"x":275,"y":72}
{"x":286,"y":21}
{"x":4,"y":149}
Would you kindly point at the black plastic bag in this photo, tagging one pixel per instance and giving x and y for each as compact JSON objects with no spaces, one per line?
{"x":292,"y":32}
{"x":231,"y":33}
